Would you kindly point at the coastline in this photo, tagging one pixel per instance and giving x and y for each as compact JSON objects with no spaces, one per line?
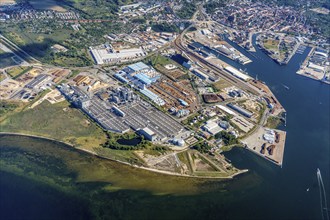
{"x":122,"y":162}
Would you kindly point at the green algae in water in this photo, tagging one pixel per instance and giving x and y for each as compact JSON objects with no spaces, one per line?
{"x":110,"y":189}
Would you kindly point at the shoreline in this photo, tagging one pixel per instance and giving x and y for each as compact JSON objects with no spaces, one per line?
{"x":122,"y":162}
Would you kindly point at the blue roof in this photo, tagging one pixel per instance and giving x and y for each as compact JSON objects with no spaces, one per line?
{"x":138,"y":66}
{"x":143,"y":78}
{"x":149,"y":94}
{"x":182,"y":102}
{"x":121,"y":78}
{"x":154,"y":79}
{"x":197,"y":45}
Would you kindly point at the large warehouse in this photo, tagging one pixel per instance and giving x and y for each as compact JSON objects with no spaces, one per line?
{"x":102,"y":56}
{"x":237,"y":73}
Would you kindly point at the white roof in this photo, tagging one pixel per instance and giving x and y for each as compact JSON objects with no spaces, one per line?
{"x":321,"y":53}
{"x":237,"y":73}
{"x":148,"y":131}
{"x":225,"y":109}
{"x":212,"y":127}
{"x":102,"y":54}
{"x":138,"y":66}
{"x":314,"y":66}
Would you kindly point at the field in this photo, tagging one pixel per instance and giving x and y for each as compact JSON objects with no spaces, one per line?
{"x":47,"y":5}
{"x":38,"y":45}
{"x":2,"y":76}
{"x":220,"y":85}
{"x":31,"y":41}
{"x":6,"y":60}
{"x":95,"y":9}
{"x":58,"y":121}
{"x":273,"y":122}
{"x":271,"y":45}
{"x":160,"y":60}
{"x":17,"y":71}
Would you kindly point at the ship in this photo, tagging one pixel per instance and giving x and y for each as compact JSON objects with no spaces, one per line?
{"x":323,"y":196}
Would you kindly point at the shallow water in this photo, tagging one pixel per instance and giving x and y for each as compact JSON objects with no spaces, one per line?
{"x":99,"y":183}
{"x":114,"y":190}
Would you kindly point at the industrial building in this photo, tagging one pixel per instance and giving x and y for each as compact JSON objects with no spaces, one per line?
{"x":225,"y":109}
{"x":223,"y":50}
{"x":269,"y":136}
{"x":316,"y":67}
{"x":124,"y":110}
{"x":123,"y":95}
{"x":147,"y":133}
{"x":212,"y":127}
{"x":106,"y":55}
{"x":136,"y":68}
{"x":120,"y":77}
{"x":139,"y":74}
{"x":153,"y":97}
{"x":143,"y":78}
{"x":200,"y":74}
{"x":39,"y":81}
{"x":240,"y":110}
{"x":97,"y":111}
{"x":178,"y":142}
{"x":118,"y":112}
{"x":237,"y":73}
{"x":142,"y":72}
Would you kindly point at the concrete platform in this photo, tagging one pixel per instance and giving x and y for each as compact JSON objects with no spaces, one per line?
{"x":256,"y":141}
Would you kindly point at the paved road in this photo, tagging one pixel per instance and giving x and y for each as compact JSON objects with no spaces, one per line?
{"x":13,"y":47}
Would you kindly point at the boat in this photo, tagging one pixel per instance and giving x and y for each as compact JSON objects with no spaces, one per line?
{"x":244,"y":71}
{"x":323,"y":196}
{"x":285,"y":86}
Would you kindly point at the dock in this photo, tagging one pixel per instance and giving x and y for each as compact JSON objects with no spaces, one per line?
{"x":271,"y":151}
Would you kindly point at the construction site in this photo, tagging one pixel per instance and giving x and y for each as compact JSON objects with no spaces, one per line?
{"x":189,"y":163}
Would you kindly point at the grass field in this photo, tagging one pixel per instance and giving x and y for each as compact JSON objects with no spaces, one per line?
{"x":58,"y":121}
{"x":6,"y":60}
{"x":161,"y":60}
{"x":271,"y":44}
{"x":2,"y":76}
{"x":17,"y":71}
{"x":2,"y":52}
{"x":273,"y":122}
{"x":220,"y":85}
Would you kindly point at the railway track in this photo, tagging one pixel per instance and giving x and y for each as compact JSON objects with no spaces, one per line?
{"x":226,"y":76}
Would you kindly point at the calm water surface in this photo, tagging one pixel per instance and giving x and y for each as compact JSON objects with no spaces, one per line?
{"x":266,"y":192}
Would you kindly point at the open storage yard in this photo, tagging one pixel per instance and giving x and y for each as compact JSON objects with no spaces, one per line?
{"x":268,"y":143}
